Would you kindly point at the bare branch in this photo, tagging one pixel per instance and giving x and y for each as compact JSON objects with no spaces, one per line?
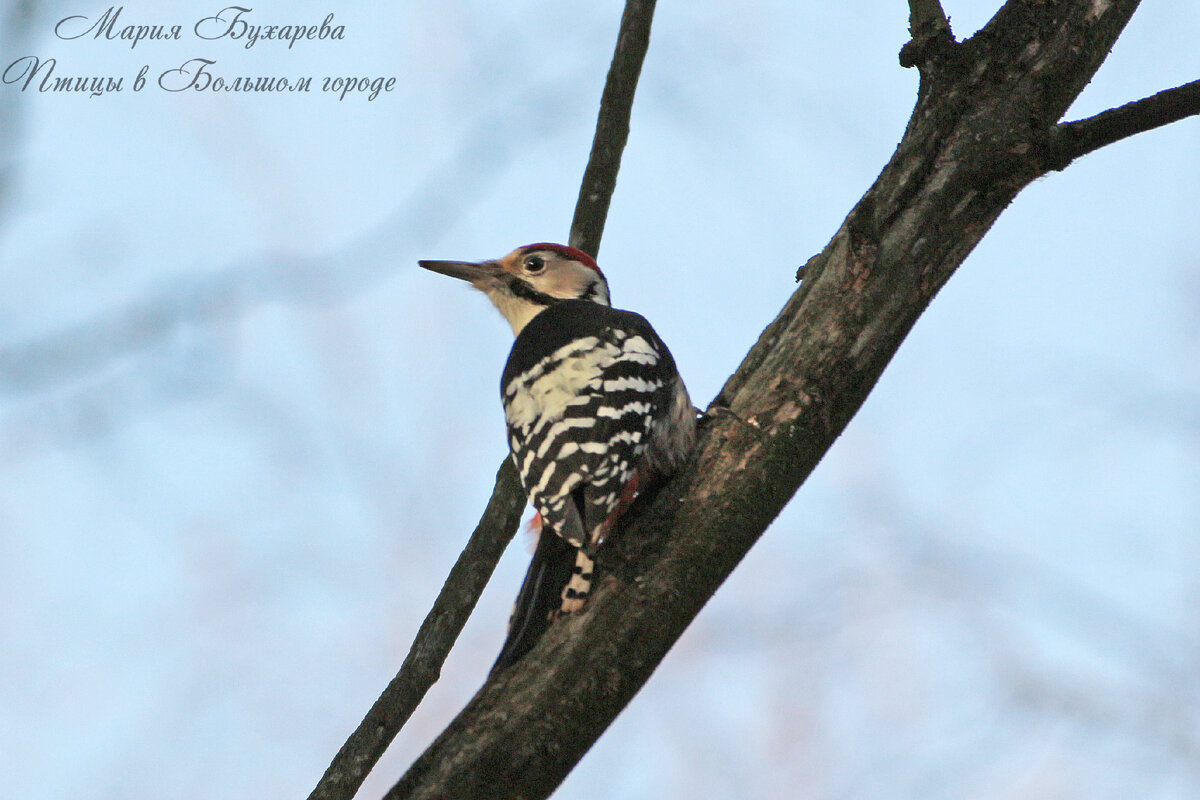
{"x":929,"y":27}
{"x":1074,"y":139}
{"x":432,"y":644}
{"x":926,"y":14}
{"x":612,"y":126}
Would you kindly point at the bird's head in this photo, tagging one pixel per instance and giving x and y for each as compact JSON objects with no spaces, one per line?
{"x":530,"y":279}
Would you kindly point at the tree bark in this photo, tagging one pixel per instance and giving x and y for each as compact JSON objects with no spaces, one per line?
{"x":986,"y":124}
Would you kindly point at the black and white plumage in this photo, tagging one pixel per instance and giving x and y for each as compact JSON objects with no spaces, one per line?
{"x":595,"y":409}
{"x":582,"y":390}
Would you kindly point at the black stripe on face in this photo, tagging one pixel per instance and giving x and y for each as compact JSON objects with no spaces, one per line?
{"x":525,"y":291}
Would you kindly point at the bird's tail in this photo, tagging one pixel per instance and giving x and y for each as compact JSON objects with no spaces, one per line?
{"x":556,"y":584}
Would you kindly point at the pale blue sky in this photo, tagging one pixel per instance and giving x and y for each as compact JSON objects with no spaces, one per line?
{"x":242,"y":437}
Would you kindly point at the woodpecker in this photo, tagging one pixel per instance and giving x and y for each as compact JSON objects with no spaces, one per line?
{"x":595,"y":410}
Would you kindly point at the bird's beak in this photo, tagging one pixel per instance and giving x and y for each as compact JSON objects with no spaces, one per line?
{"x":472,"y":272}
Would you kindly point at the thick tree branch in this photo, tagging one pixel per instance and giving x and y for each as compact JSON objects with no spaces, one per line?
{"x":612,"y":127}
{"x":976,"y":138}
{"x":432,"y":644}
{"x":1078,"y":138}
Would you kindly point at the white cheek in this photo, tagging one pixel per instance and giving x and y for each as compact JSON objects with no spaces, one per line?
{"x":518,"y":312}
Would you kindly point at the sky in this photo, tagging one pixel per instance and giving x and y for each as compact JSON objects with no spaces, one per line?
{"x":243,"y":437}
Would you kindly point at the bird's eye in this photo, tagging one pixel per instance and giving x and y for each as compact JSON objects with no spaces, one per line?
{"x":534,"y":264}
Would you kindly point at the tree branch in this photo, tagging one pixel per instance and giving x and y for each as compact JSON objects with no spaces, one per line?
{"x":926,"y":14}
{"x":930,"y":31}
{"x":474,"y":567}
{"x":1074,"y":139}
{"x":432,"y":644}
{"x":612,"y":127}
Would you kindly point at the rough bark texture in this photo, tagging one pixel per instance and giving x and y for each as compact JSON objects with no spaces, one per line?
{"x":986,"y":124}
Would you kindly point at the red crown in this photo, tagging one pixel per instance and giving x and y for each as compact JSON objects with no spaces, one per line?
{"x":573,"y":253}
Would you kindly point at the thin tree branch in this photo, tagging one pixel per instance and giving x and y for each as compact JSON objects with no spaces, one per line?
{"x":432,"y":644}
{"x":1070,"y":140}
{"x":923,"y":13}
{"x":612,"y":126}
{"x":930,"y":31}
